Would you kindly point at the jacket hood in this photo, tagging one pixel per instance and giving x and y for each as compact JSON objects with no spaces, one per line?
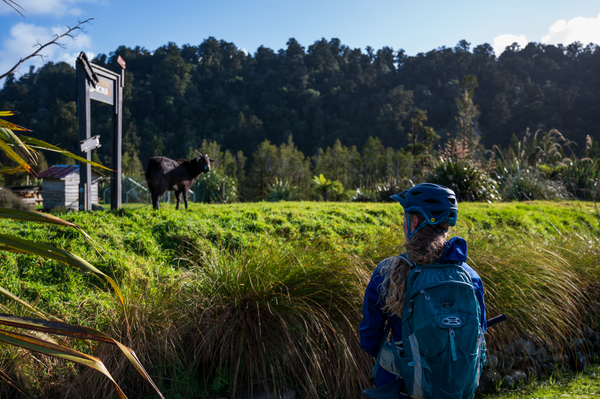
{"x":456,"y":250}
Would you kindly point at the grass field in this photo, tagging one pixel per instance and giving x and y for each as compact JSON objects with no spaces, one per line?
{"x":583,"y":385}
{"x":198,"y":282}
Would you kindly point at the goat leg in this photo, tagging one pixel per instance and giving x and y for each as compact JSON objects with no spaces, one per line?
{"x":185,"y":199}
{"x":178,"y":196}
{"x":155,"y":201}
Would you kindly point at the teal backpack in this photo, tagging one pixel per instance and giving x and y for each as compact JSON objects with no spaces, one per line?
{"x":443,"y":347}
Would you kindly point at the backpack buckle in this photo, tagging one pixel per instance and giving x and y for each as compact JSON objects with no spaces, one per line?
{"x":452,"y":321}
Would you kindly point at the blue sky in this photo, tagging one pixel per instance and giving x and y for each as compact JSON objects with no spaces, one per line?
{"x":411,"y":25}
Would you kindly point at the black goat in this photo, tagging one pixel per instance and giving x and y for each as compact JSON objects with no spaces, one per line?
{"x":164,"y":174}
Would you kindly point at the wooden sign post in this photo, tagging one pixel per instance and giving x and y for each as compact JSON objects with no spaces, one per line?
{"x":99,"y":84}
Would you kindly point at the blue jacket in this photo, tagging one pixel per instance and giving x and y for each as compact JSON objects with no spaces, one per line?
{"x":373,"y":322}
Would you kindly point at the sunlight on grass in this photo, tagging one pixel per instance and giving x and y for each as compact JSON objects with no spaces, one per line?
{"x":583,"y":385}
{"x":286,"y":280}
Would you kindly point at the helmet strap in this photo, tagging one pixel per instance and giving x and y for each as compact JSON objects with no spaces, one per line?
{"x":410,"y":233}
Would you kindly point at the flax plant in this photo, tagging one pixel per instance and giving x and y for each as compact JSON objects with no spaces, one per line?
{"x":282,"y":190}
{"x":33,"y":334}
{"x":457,"y":170}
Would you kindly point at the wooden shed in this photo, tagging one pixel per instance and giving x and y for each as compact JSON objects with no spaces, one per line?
{"x":60,"y":186}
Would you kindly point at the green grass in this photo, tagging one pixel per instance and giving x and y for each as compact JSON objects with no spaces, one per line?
{"x":199,"y":282}
{"x":583,"y":385}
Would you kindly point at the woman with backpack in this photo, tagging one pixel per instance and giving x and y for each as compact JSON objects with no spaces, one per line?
{"x":439,"y":350}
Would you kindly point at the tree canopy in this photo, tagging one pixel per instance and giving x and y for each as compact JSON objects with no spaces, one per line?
{"x":326,"y":95}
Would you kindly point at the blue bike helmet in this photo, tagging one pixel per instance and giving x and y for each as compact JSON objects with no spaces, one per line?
{"x":437,"y":204}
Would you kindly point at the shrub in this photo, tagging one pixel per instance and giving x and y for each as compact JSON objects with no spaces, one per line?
{"x":530,"y":184}
{"x":386,"y":189}
{"x":209,"y":188}
{"x":457,"y":170}
{"x":327,"y":188}
{"x":282,"y":190}
{"x":382,"y":191}
{"x":337,"y":191}
{"x":580,"y":177}
{"x":8,"y":199}
{"x":364,"y":196}
{"x":469,"y":181}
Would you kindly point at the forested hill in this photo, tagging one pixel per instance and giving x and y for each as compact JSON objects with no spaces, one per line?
{"x":176,"y":97}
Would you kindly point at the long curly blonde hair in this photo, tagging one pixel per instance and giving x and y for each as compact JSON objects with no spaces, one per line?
{"x":425,"y":247}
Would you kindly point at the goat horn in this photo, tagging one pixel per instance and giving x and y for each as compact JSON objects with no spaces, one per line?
{"x":199,"y":153}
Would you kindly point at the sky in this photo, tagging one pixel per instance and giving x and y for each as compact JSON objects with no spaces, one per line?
{"x":400,"y":24}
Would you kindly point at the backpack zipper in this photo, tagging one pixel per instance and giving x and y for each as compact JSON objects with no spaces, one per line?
{"x":411,"y":301}
{"x":452,"y":346}
{"x":414,"y":294}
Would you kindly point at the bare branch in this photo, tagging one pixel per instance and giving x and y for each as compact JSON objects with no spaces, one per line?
{"x":40,"y":46}
{"x":15,"y":6}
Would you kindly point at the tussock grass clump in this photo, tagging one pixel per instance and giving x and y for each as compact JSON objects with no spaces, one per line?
{"x":540,"y":283}
{"x":153,"y":327}
{"x":530,"y":184}
{"x":540,"y":265}
{"x":8,"y":199}
{"x":274,"y":314}
{"x":529,"y":280}
{"x":280,"y":315}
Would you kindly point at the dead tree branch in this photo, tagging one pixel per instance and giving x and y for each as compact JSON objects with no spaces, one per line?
{"x":15,"y":6}
{"x":40,"y":46}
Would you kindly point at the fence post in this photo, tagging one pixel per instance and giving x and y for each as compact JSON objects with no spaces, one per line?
{"x":104,"y":195}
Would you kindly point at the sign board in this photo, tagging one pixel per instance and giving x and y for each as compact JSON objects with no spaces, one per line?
{"x":104,"y":91}
{"x":99,"y":84}
{"x":121,"y":62}
{"x":90,"y":144}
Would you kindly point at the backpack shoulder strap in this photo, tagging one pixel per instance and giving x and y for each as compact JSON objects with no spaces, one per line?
{"x":404,"y":257}
{"x":383,"y":339}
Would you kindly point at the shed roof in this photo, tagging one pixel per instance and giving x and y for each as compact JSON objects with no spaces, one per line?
{"x":59,"y":171}
{"x":62,"y":171}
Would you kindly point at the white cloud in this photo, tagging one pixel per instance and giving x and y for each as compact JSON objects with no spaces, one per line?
{"x":500,"y":42}
{"x":46,"y":7}
{"x":579,"y":29}
{"x":23,"y":38}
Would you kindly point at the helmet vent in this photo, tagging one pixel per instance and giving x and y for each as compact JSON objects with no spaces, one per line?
{"x":415,"y":193}
{"x":452,"y":200}
{"x":432,"y":201}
